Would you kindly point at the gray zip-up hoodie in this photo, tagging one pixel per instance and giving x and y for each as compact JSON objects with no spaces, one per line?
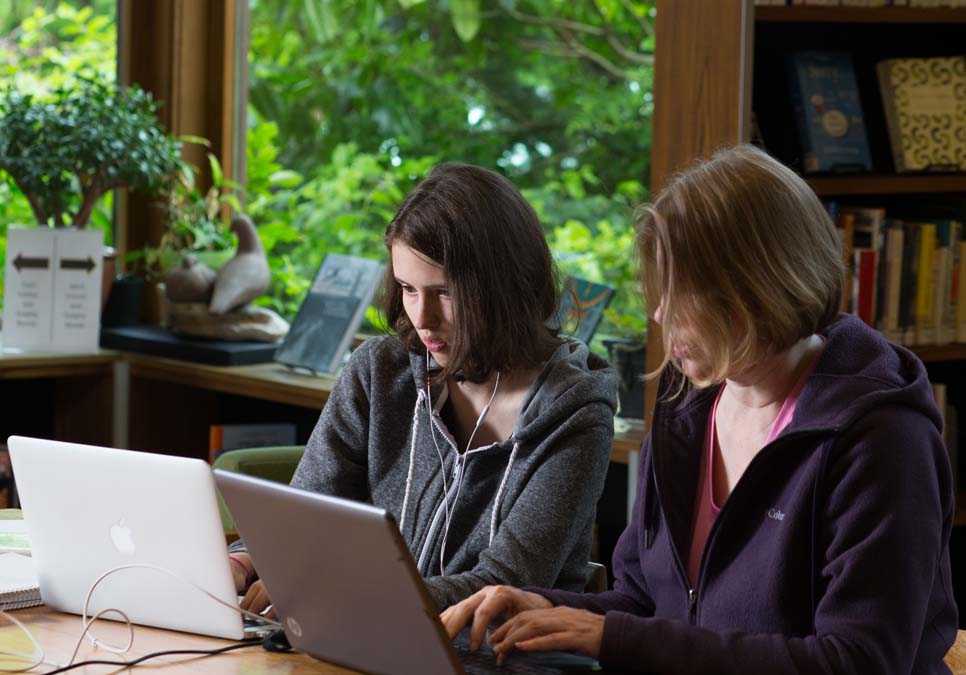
{"x":525,"y":507}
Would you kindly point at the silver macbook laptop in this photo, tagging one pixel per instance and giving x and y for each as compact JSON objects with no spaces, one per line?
{"x":90,"y":510}
{"x":345,"y":586}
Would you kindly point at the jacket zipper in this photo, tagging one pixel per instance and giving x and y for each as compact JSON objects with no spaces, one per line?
{"x":682,"y":573}
{"x":715,"y":526}
{"x":693,"y":591}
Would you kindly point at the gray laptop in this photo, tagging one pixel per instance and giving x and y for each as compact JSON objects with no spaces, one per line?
{"x":345,"y":586}
{"x":90,"y":510}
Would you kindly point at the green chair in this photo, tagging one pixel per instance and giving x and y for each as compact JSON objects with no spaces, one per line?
{"x":274,"y":463}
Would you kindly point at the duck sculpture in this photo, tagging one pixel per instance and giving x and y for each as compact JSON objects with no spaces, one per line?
{"x":191,"y":281}
{"x":244,"y":277}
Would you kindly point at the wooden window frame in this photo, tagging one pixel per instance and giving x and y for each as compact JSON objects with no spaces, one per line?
{"x":192,"y":56}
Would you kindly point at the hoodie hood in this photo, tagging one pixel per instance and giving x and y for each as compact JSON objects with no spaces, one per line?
{"x":864,"y":372}
{"x":572,"y":378}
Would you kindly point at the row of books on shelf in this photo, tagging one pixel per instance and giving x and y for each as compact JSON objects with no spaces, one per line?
{"x":904,"y":277}
{"x":922,"y":102}
{"x":864,"y":3}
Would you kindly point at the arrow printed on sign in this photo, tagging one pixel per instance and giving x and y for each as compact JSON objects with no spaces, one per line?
{"x":20,"y":262}
{"x":77,"y":264}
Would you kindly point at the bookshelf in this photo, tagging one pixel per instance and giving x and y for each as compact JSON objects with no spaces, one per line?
{"x":862,"y":15}
{"x":717,"y":63}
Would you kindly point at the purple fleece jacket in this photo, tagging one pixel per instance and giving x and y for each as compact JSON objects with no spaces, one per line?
{"x":831,"y":554}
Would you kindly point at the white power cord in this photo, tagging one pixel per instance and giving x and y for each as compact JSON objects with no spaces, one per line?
{"x":38,"y":654}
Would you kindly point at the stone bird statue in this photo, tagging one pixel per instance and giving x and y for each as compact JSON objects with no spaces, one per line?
{"x":244,"y":277}
{"x":191,"y":281}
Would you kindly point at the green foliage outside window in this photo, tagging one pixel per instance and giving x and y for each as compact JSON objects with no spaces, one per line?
{"x":351,"y":104}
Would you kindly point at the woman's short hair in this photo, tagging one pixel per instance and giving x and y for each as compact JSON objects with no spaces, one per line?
{"x":502,"y":279}
{"x":738,"y":251}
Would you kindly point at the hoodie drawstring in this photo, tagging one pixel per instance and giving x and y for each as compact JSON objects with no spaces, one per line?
{"x":499,"y":492}
{"x":412,"y":459}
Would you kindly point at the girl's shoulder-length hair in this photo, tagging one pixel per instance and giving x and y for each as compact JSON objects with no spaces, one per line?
{"x":502,"y":279}
{"x":741,"y":254}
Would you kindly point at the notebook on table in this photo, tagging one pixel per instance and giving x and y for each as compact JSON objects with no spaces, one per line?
{"x":18,"y":582}
{"x":90,"y":510}
{"x":345,"y":586}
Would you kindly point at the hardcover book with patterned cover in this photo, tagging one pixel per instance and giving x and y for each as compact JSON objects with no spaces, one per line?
{"x":925,"y":111}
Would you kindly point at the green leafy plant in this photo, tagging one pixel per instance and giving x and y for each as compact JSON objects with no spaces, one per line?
{"x":66,"y":150}
{"x":194,"y":219}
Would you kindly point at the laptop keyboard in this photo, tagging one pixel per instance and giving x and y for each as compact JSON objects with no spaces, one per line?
{"x":478,"y":663}
{"x":541,"y":663}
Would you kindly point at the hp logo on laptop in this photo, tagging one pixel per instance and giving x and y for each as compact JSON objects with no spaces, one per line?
{"x":294,"y":626}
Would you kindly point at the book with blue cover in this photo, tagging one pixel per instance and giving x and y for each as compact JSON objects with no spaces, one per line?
{"x":582,"y":306}
{"x":330,"y":314}
{"x":828,"y":112}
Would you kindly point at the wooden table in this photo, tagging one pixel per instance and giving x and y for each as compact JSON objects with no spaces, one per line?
{"x":58,"y":633}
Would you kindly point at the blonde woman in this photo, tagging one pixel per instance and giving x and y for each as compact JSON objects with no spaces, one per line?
{"x":795,"y":501}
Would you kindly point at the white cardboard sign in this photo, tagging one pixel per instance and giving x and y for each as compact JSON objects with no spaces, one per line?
{"x":52,"y":289}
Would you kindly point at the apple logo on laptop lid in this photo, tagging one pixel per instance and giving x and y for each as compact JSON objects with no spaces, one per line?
{"x":121,"y":537}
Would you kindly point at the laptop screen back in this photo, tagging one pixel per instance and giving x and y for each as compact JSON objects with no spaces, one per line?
{"x":91,"y":509}
{"x":340,"y":578}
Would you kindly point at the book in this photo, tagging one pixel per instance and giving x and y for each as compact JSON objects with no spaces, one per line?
{"x":18,"y":582}
{"x":828,"y":113}
{"x":864,"y":284}
{"x":890,"y":281}
{"x":582,"y":305}
{"x":908,"y":293}
{"x":925,"y":281}
{"x":867,"y":225}
{"x":225,"y":437}
{"x":845,"y":226}
{"x":961,"y":295}
{"x":330,"y":314}
{"x":925,"y":112}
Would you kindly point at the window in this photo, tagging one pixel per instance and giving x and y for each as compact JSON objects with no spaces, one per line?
{"x":350,"y":104}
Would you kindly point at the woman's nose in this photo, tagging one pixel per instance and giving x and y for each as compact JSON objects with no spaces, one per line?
{"x":426,"y":316}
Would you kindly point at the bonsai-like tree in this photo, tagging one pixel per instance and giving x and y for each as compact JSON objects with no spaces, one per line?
{"x":66,"y":150}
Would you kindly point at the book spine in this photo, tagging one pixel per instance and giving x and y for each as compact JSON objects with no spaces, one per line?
{"x":865,"y":284}
{"x":796,"y":81}
{"x":883,"y":70}
{"x":961,"y":295}
{"x":845,"y":222}
{"x":925,"y":334}
{"x":908,"y":294}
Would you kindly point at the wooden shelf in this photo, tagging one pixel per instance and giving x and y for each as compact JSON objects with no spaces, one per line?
{"x":265,"y":381}
{"x":22,"y":365}
{"x":877,"y":184}
{"x":931,"y":353}
{"x":800,"y":14}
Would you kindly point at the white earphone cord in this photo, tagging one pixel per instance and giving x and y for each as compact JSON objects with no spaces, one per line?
{"x":447,"y":509}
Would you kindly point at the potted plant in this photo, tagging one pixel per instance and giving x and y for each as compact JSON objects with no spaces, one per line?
{"x":65,"y":151}
{"x":193,"y":218}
